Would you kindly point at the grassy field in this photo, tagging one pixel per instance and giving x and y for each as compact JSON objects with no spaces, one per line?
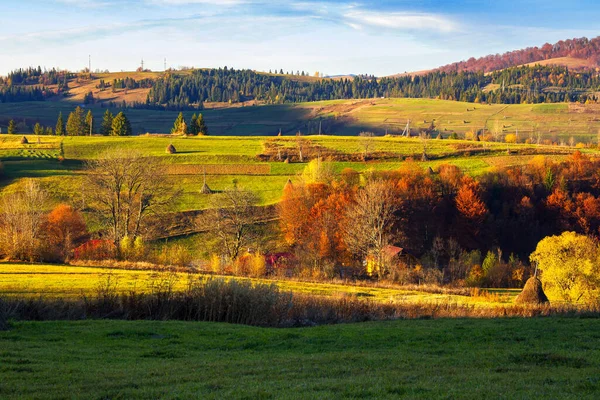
{"x":32,"y":280}
{"x":349,"y":117}
{"x":452,"y":359}
{"x":226,"y":159}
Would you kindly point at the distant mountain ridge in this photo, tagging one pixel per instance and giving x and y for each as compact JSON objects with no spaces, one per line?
{"x":578,"y":53}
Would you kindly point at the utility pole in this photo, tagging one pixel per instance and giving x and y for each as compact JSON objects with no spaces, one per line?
{"x":90,"y":64}
{"x":142,"y":65}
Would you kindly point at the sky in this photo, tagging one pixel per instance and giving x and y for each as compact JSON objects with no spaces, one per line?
{"x":334,"y":37}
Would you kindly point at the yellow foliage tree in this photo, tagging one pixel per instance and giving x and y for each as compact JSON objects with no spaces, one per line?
{"x":569,"y":266}
{"x":510,"y":138}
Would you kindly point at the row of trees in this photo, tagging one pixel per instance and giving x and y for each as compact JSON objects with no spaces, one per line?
{"x":195,"y":127}
{"x":80,"y":124}
{"x":447,"y":221}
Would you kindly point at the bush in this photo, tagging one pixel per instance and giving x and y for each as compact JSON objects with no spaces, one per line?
{"x":510,"y":138}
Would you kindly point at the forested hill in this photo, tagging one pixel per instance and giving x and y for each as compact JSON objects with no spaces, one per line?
{"x":535,"y":84}
{"x":583,"y":49}
{"x":192,"y":89}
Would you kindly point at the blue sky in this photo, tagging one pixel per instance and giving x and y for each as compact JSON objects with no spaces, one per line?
{"x":334,"y":37}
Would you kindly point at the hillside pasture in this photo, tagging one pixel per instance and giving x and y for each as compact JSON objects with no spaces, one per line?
{"x":238,"y":158}
{"x":555,"y":122}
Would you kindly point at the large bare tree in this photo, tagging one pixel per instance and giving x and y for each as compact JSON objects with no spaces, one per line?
{"x":369,"y":219}
{"x":21,"y":219}
{"x":125,"y":189}
{"x":232,"y":218}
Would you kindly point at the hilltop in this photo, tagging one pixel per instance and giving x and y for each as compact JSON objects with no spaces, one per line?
{"x":579,"y":53}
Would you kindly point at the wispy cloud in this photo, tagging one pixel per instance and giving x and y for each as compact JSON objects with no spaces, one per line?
{"x":403,"y":21}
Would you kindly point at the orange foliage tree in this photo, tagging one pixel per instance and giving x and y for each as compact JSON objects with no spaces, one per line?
{"x":64,"y":229}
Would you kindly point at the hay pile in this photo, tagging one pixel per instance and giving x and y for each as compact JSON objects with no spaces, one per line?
{"x":205,"y":189}
{"x":24,"y":140}
{"x":532,"y":293}
{"x":171,"y":149}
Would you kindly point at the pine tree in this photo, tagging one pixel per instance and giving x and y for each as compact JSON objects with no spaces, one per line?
{"x":60,"y":125}
{"x":76,"y":123}
{"x":89,"y":123}
{"x":121,"y":125}
{"x":193,"y":126}
{"x":107,"y":121}
{"x":201,"y":126}
{"x":178,"y":125}
{"x":49,"y":130}
{"x":12,"y":127}
{"x":37,"y":129}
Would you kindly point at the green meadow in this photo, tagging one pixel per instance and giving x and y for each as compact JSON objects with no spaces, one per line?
{"x":418,"y":359}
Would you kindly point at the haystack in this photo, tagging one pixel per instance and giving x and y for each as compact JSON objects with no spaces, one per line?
{"x":532,"y":293}
{"x":24,"y":140}
{"x":171,"y":149}
{"x":205,"y":189}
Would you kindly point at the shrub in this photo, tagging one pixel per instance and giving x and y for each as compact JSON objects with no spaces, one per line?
{"x":510,"y":138}
{"x":95,"y":249}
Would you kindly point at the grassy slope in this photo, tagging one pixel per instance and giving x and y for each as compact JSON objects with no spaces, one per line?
{"x":72,"y":282}
{"x":349,"y":117}
{"x":504,"y":358}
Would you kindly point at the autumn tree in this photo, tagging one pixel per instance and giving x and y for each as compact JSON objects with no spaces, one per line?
{"x":179,"y":126}
{"x":569,"y":266}
{"x":63,"y":230}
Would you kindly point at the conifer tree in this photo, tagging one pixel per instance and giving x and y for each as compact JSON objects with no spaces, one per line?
{"x":60,"y":125}
{"x":193,"y":126}
{"x":201,"y":126}
{"x":107,"y":121}
{"x":37,"y":129}
{"x":121,"y":125}
{"x":49,"y":130}
{"x":12,"y":127}
{"x":76,"y":123}
{"x":178,"y":126}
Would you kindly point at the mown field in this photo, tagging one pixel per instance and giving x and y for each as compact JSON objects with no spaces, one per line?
{"x":557,"y":121}
{"x":226,"y":159}
{"x":418,"y":359}
{"x":70,"y":282}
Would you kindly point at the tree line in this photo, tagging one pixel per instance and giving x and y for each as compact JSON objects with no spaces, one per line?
{"x":536,"y":84}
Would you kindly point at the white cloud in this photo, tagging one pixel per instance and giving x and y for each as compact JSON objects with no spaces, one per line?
{"x":404,"y":21}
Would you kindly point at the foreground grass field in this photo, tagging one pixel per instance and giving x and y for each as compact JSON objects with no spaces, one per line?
{"x":453,"y":359}
{"x":58,"y":281}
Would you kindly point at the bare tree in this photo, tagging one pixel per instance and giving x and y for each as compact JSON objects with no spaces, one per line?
{"x":126,"y":189}
{"x":21,"y":219}
{"x":231,"y":218}
{"x":367,"y":142}
{"x":367,"y":232}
